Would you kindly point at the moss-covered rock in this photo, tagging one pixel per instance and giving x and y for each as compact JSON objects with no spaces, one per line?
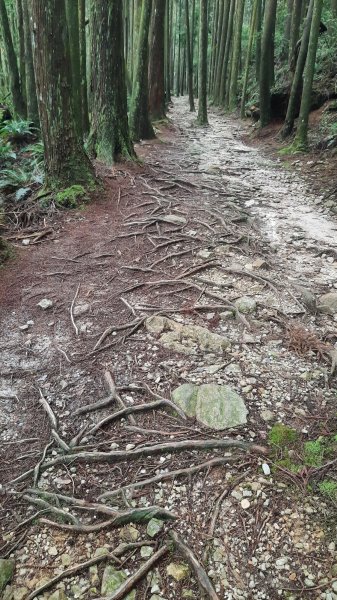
{"x":71,"y":196}
{"x":7,"y":567}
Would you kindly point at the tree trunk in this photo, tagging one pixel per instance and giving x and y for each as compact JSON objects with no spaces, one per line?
{"x":259,"y":20}
{"x":178,"y":74}
{"x":72,"y":15}
{"x":301,"y":138}
{"x":157,"y":62}
{"x":224,"y":68}
{"x":252,"y":28}
{"x":295,"y":27}
{"x":287,"y":30}
{"x":295,"y":92}
{"x":266,"y":52}
{"x":334,"y":8}
{"x":189,"y":58}
{"x":32,"y":107}
{"x":109,"y":137}
{"x":83,"y":67}
{"x":66,"y":163}
{"x":233,"y":87}
{"x":167,"y":53}
{"x":203,"y":38}
{"x":223,"y":27}
{"x":140,"y":123}
{"x":13,"y":71}
{"x":215,"y":45}
{"x":22,"y":57}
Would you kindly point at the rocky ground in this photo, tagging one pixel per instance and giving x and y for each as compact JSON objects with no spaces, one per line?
{"x":167,"y":383}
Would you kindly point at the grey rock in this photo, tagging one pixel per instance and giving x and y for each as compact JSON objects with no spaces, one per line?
{"x":153,"y":527}
{"x":81,"y":309}
{"x":245,"y":304}
{"x":178,"y":571}
{"x":45,"y":303}
{"x":6,"y":571}
{"x":112,"y":580}
{"x":267,"y":415}
{"x":328,"y":303}
{"x":174,"y":219}
{"x":216,"y":406}
{"x":146,"y":551}
{"x":188,"y":339}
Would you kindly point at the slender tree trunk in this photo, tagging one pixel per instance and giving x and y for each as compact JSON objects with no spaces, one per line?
{"x":266,"y":52}
{"x":140,"y":123}
{"x":189,"y":58}
{"x":295,"y":92}
{"x":233,"y":87}
{"x":334,"y":8}
{"x":167,"y":51}
{"x":83,"y":67}
{"x":13,"y":71}
{"x":178,"y":74}
{"x":109,"y":136}
{"x":224,"y":69}
{"x":66,"y":163}
{"x":223,"y":27}
{"x":301,"y":138}
{"x":157,"y":62}
{"x":287,"y":30}
{"x":215,"y":45}
{"x":32,"y":107}
{"x":192,"y":43}
{"x":203,"y":35}
{"x":295,"y":27}
{"x":22,"y":58}
{"x":252,"y":28}
{"x":259,"y":20}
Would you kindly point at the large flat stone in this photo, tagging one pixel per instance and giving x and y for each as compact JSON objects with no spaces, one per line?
{"x":188,"y":339}
{"x":328,"y":303}
{"x":215,"y":406}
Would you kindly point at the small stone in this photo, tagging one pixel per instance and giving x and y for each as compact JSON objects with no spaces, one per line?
{"x":153,"y":527}
{"x":52,"y":551}
{"x":81,"y":309}
{"x":65,"y":560}
{"x":23,"y":327}
{"x":45,"y":303}
{"x":20,"y":593}
{"x":178,"y":571}
{"x":146,"y":551}
{"x":112,"y":579}
{"x":129,"y":447}
{"x":245,"y":503}
{"x":328,"y":303}
{"x":26,"y":242}
{"x":58,"y":595}
{"x":6,"y":571}
{"x":266,"y":469}
{"x":267,"y":415}
{"x":129,"y":533}
{"x":245,"y":305}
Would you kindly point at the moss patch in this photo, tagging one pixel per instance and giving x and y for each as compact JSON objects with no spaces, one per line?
{"x":5,"y":251}
{"x":328,"y":488}
{"x":71,"y":196}
{"x":282,"y":436}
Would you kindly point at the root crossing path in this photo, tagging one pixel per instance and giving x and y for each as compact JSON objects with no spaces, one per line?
{"x":167,"y":358}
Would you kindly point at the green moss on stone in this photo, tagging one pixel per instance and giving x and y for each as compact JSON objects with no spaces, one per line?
{"x":71,"y":196}
{"x":282,"y":436}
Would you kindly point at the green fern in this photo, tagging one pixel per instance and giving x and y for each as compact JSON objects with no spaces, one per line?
{"x":17,"y":131}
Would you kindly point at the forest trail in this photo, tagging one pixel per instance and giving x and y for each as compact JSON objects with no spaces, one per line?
{"x":202,"y":268}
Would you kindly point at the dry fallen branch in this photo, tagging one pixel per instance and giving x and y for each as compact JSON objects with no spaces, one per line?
{"x":136,"y":323}
{"x":167,"y":475}
{"x":72,"y":309}
{"x":132,"y":581}
{"x":203,"y":580}
{"x":49,"y":411}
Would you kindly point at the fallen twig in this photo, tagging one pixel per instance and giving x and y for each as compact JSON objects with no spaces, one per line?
{"x":72,"y":309}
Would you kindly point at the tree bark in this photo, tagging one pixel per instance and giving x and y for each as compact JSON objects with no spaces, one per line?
{"x":72,"y":15}
{"x":157,"y":62}
{"x":301,"y":138}
{"x":266,"y":52}
{"x":295,"y":27}
{"x":83,"y":67}
{"x":140,"y":123}
{"x":222,"y":49}
{"x":22,"y":58}
{"x":66,"y":163}
{"x":233,"y":87}
{"x":224,"y":68}
{"x":203,"y":35}
{"x":189,"y":58}
{"x":109,"y":137}
{"x":295,"y":92}
{"x":334,"y":8}
{"x":14,"y":76}
{"x":32,"y":107}
{"x":259,"y":20}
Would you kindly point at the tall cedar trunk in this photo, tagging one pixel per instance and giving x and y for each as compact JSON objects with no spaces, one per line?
{"x":66,"y":163}
{"x":167,"y":50}
{"x":192,"y":44}
{"x":83,"y":67}
{"x":287,"y":30}
{"x":140,"y":123}
{"x":22,"y":58}
{"x":295,"y":27}
{"x":215,"y":45}
{"x":235,"y":66}
{"x":13,"y":71}
{"x":157,"y":61}
{"x":301,"y":138}
{"x":224,"y":69}
{"x":32,"y":107}
{"x":178,"y":75}
{"x":296,"y":86}
{"x":222,"y":49}
{"x":252,"y":28}
{"x":189,"y":58}
{"x":109,"y":137}
{"x":334,"y":8}
{"x":72,"y":15}
{"x":203,"y":38}
{"x":266,"y":53}
{"x":259,"y":20}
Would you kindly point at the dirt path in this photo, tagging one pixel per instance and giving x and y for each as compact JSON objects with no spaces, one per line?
{"x":202,"y":268}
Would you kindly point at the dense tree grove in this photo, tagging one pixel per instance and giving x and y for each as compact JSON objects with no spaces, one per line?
{"x":95,"y":76}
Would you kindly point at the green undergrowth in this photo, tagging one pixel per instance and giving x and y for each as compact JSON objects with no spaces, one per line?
{"x":71,"y":197}
{"x":292,"y":453}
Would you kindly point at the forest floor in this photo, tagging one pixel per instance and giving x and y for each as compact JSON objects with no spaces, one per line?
{"x":204,"y":265}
